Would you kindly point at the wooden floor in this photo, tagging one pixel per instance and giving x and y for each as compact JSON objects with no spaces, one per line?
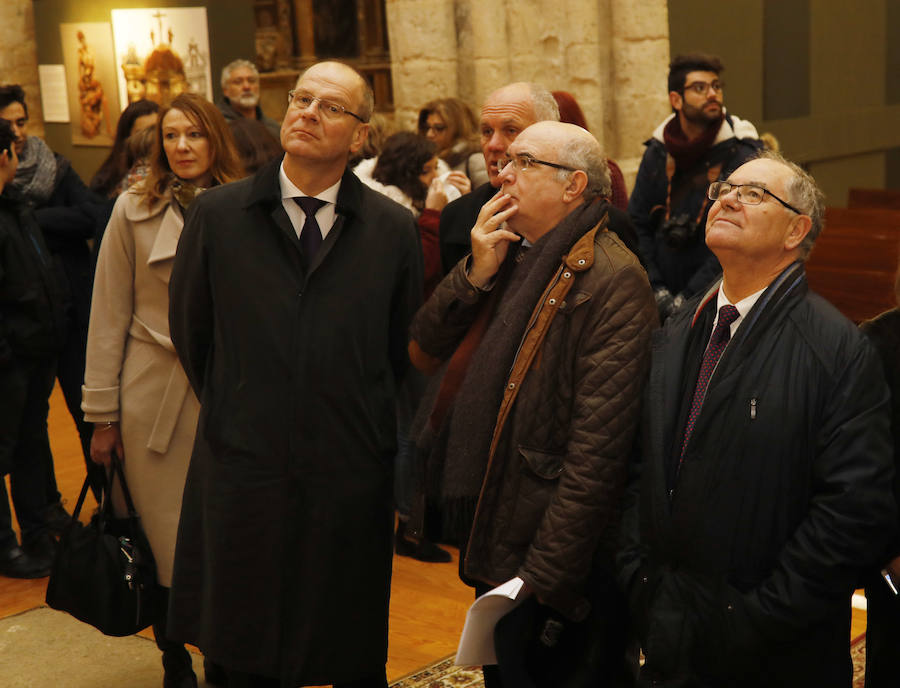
{"x":428,"y":602}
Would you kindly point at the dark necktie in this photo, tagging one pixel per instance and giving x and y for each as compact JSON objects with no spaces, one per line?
{"x":310,"y":235}
{"x":717,"y":343}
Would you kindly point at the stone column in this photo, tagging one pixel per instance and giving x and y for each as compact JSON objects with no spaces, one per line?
{"x":612,"y":55}
{"x":640,"y":68}
{"x":484,"y":49}
{"x":303,"y":22}
{"x":423,"y":54}
{"x":18,"y":60}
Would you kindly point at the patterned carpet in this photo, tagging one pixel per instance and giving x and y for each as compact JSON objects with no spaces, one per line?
{"x":858,"y":653}
{"x":49,"y":648}
{"x":442,"y":674}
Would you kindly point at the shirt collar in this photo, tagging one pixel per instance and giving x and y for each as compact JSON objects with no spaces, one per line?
{"x":743,"y":307}
{"x":290,"y":190}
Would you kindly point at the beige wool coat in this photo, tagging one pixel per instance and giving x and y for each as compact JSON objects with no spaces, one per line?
{"x":132,"y":374}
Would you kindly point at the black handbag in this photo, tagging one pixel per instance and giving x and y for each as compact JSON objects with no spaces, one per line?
{"x":104,"y":573}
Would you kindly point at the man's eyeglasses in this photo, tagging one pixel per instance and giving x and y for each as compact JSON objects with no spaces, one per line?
{"x":327,"y":108}
{"x":748,"y":194}
{"x":522,"y":162}
{"x":701,"y":87}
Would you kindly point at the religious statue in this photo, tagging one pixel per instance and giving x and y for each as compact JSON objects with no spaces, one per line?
{"x":91,"y":98}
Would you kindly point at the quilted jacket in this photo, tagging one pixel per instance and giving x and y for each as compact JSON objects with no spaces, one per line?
{"x":565,"y":428}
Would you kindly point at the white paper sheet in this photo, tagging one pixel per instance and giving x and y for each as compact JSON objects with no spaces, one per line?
{"x":476,"y":644}
{"x":54,"y":99}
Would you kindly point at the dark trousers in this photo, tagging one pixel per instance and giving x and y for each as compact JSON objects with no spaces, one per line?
{"x":539,"y":648}
{"x":408,"y":397}
{"x":176,"y":659}
{"x":238,"y":679}
{"x":70,"y":373}
{"x":492,"y":677}
{"x":25,"y":387}
{"x":882,"y":634}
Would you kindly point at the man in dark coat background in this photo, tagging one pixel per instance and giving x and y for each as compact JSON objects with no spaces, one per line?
{"x":293,"y":342}
{"x":32,"y":323}
{"x":766,"y":473}
{"x":695,"y":145}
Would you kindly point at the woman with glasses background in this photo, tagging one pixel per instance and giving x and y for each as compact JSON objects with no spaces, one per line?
{"x":450,"y":124}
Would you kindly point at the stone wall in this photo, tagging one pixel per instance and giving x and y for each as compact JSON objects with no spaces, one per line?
{"x":611,"y":54}
{"x":18,"y":59}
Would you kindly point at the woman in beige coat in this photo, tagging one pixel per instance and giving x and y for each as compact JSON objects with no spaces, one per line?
{"x":135,"y":390}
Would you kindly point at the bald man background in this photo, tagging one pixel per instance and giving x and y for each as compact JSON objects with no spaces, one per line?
{"x":505,"y":113}
{"x":291,"y":295}
{"x":556,"y":314}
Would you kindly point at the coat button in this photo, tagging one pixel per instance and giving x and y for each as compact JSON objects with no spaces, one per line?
{"x":581,"y":261}
{"x":512,"y":385}
{"x":567,"y":275}
{"x":729,"y":607}
{"x":644,"y":579}
{"x":552,"y":302}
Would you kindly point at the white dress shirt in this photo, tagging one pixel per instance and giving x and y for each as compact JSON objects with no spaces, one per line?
{"x":743,"y":307}
{"x":325,"y":215}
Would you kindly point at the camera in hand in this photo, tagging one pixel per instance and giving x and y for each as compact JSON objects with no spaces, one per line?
{"x":680,"y":231}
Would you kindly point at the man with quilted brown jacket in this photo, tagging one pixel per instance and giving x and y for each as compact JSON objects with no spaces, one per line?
{"x":543,"y":336}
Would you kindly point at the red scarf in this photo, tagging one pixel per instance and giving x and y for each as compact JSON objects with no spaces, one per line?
{"x":687,"y":152}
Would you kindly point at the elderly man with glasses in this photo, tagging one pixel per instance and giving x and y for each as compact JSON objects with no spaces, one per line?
{"x":547,"y":325}
{"x":697,"y":144}
{"x":765,"y":481}
{"x":291,"y":295}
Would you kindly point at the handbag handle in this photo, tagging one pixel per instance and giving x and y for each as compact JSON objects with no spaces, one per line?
{"x":115,"y":470}
{"x":80,"y":502}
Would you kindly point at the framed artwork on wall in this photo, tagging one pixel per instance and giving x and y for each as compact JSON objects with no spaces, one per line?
{"x":161,"y":52}
{"x":90,"y":82}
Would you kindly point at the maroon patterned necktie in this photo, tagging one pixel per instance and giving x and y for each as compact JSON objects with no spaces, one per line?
{"x":310,"y":235}
{"x":717,"y":343}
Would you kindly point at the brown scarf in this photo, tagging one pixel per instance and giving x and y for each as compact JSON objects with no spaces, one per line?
{"x":475,"y":408}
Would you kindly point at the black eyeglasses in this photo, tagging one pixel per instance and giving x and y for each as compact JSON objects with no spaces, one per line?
{"x":701,"y":87}
{"x":522,"y":162}
{"x":327,"y":108}
{"x":748,"y":194}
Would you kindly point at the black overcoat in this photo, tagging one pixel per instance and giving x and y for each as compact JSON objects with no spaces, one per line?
{"x":743,"y":576}
{"x":283,"y":560}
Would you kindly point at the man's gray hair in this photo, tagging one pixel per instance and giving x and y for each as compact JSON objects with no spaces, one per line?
{"x":805,"y":195}
{"x":545,"y":105}
{"x":236,"y":64}
{"x":587,"y":156}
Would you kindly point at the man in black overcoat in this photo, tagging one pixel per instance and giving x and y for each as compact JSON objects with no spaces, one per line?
{"x":290,"y":296}
{"x":766,"y":467}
